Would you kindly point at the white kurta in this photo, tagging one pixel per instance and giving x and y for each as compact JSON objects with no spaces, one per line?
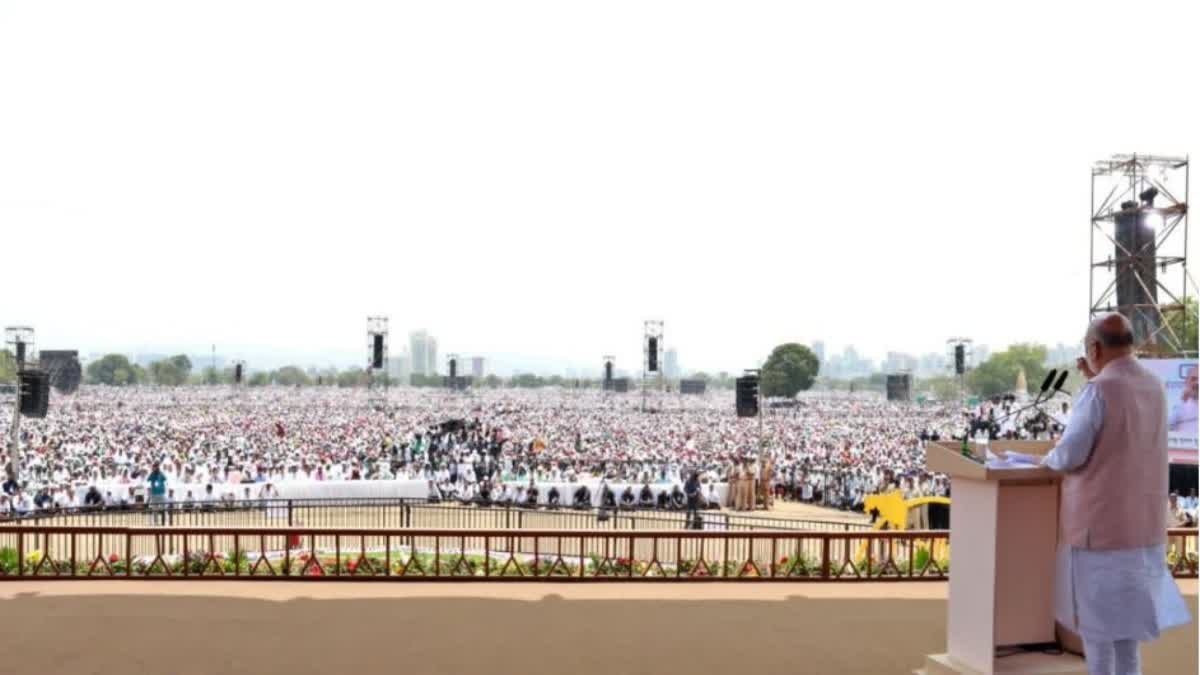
{"x":1123,"y":594}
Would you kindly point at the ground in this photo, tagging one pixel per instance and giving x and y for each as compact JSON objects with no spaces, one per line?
{"x":219,"y":627}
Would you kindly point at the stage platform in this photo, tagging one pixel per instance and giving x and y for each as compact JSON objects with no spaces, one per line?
{"x":218,"y":627}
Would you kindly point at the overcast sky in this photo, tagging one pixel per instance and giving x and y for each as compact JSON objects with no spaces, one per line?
{"x":540,"y":177}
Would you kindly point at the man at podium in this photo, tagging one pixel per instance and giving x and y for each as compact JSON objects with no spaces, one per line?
{"x":1113,"y":587}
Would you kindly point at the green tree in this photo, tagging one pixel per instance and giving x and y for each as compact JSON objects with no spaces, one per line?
{"x":291,"y":375}
{"x":183,"y":363}
{"x":8,"y":367}
{"x":1184,"y":324}
{"x":998,"y":375}
{"x":790,"y":369}
{"x":944,"y":388}
{"x":260,"y":379}
{"x":210,"y":376}
{"x":114,"y":369}
{"x":171,"y":372}
{"x":351,"y":377}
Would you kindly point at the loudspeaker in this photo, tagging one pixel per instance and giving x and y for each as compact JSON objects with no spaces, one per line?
{"x":691,"y":386}
{"x":747,"y":396}
{"x":607,"y":371}
{"x":960,"y":359}
{"x":63,"y":368}
{"x":652,"y":359}
{"x":237,"y":373}
{"x":377,"y":351}
{"x":35,"y":393}
{"x":899,"y":387}
{"x":453,"y":369}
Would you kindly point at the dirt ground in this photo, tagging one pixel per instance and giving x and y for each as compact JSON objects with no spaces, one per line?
{"x":217,"y":628}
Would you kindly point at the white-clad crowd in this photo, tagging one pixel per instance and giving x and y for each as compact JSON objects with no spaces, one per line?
{"x":101,"y":445}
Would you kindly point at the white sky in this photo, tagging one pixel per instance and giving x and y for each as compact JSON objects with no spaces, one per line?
{"x":539,"y":177}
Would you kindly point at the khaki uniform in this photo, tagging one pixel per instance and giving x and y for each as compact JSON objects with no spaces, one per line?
{"x":746,"y":489}
{"x":764,"y":483}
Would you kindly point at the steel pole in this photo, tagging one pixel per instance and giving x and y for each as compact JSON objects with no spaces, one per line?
{"x":14,"y":448}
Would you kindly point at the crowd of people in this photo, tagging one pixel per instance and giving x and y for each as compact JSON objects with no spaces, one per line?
{"x":101,"y":446}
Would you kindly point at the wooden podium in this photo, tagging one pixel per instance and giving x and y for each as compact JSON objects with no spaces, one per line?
{"x":1003,"y":540}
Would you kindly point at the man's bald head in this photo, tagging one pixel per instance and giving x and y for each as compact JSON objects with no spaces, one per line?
{"x":1111,"y":330}
{"x":1109,"y":336}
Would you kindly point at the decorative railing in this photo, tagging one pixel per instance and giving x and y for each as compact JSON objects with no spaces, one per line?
{"x":57,"y":552}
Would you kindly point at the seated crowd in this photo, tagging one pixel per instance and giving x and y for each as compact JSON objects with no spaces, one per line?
{"x":100,"y":446}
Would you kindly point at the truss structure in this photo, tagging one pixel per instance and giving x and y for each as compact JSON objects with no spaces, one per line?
{"x":1139,"y":241}
{"x":377,"y":373}
{"x":652,"y":334}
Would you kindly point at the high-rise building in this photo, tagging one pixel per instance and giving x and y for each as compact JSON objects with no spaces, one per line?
{"x":818,"y":348}
{"x":477,"y":367}
{"x":932,"y":365}
{"x":671,"y":364}
{"x":431,"y":353}
{"x":418,"y":353}
{"x":422,"y":353}
{"x":400,"y":367}
{"x":1062,"y":355}
{"x":899,"y":362}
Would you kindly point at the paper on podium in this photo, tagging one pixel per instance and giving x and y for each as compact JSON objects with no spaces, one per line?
{"x":1012,"y":460}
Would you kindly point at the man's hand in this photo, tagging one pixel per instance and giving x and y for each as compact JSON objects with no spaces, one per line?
{"x":1082,"y":365}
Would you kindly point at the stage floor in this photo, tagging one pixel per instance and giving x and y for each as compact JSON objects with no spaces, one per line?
{"x":194,"y":627}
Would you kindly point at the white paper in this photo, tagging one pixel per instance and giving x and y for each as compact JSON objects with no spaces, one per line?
{"x":1012,"y":460}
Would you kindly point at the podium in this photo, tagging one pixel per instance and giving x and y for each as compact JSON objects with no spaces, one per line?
{"x":1003,"y":541}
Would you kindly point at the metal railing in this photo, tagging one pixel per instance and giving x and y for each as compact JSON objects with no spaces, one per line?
{"x":395,"y":512}
{"x":59,"y":552}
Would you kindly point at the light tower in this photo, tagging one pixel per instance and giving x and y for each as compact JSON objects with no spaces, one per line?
{"x":1139,"y":239}
{"x":20,"y":340}
{"x":652,"y":351}
{"x":377,"y":358}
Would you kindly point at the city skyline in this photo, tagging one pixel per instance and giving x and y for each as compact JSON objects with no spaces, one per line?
{"x":834,"y":365}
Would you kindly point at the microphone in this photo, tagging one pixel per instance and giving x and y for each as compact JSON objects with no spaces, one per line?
{"x":1037,"y":400}
{"x":1046,"y":382}
{"x":1058,"y":386}
{"x":1061,"y":380}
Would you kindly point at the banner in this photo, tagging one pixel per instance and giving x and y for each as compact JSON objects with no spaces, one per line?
{"x":1182,"y":379}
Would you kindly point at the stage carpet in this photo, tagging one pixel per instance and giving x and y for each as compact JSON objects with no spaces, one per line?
{"x":193,"y":627}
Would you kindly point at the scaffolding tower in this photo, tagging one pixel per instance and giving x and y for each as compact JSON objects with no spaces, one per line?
{"x":377,"y":361}
{"x":1139,"y":241}
{"x":652,"y":362}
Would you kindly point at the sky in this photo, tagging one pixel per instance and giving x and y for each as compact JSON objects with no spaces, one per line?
{"x":539,"y":178}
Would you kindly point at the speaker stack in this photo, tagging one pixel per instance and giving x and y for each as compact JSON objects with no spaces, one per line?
{"x":747,"y":396}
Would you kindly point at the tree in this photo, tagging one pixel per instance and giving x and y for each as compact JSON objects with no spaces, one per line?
{"x":8,"y":367}
{"x":352,"y":377}
{"x":1184,"y":324}
{"x":183,"y":363}
{"x":944,"y":388}
{"x":114,"y":369}
{"x":260,"y":379}
{"x":790,"y":369}
{"x":998,"y":375}
{"x":291,"y":375}
{"x":171,"y":372}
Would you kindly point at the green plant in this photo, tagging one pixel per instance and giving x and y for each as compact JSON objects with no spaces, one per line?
{"x":9,"y":561}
